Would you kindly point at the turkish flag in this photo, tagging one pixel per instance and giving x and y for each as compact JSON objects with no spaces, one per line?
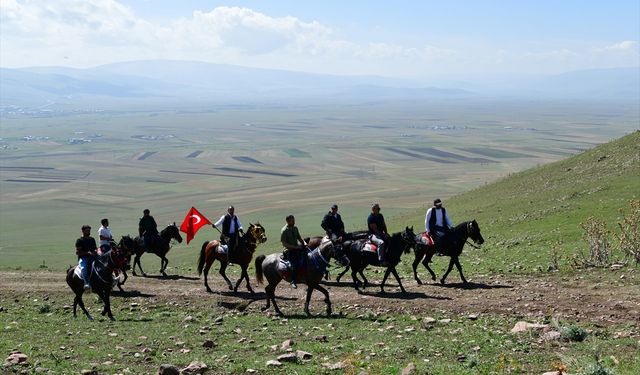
{"x":194,"y":221}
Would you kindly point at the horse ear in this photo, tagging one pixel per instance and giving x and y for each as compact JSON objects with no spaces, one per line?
{"x":174,"y":224}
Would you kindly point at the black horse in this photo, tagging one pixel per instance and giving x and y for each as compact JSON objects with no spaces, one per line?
{"x":101,"y":275}
{"x":160,"y":245}
{"x":359,"y":259}
{"x":451,"y":247}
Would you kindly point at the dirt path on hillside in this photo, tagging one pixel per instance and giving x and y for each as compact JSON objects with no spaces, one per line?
{"x":530,"y":298}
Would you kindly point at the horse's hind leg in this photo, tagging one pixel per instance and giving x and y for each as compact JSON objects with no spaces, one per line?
{"x":120,"y":284}
{"x":137,"y":261}
{"x":459,"y":267}
{"x":451,"y":263}
{"x":308,"y":300}
{"x":223,"y":268}
{"x":206,"y":273}
{"x":354,"y":276}
{"x":364,"y":278}
{"x":384,"y":279}
{"x":267,"y":291}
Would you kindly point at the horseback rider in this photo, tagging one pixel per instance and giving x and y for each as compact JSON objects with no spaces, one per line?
{"x":333,"y":225}
{"x":295,"y":247}
{"x":147,"y":228}
{"x":377,"y":231}
{"x":86,"y":250}
{"x":231,"y":232}
{"x":104,"y":232}
{"x":437,"y":224}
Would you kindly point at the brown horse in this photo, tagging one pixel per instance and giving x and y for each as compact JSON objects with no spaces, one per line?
{"x":243,"y":254}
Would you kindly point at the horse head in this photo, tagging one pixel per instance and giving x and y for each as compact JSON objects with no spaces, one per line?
{"x":409,"y":238}
{"x":257,"y":233}
{"x":171,"y":232}
{"x":329,"y":248}
{"x":473,"y":230}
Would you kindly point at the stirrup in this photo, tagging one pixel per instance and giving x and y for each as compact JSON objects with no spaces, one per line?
{"x":87,"y":288}
{"x":293,"y":284}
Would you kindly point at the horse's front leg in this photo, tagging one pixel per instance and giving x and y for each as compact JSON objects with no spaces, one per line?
{"x":223,"y":268}
{"x":354,"y":276}
{"x":137,"y":261}
{"x":395,"y":274}
{"x":415,"y":263}
{"x":384,"y":279}
{"x":459,"y":267}
{"x":245,"y":275}
{"x":164,"y":262}
{"x":105,"y":295}
{"x":342,"y":273}
{"x":425,"y":262}
{"x":326,"y":298}
{"x":451,"y":263}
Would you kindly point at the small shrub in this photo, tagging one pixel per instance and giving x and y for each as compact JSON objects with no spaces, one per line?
{"x":628,"y":241}
{"x":596,"y":369}
{"x":597,"y":236}
{"x":44,"y":309}
{"x":573,"y":333}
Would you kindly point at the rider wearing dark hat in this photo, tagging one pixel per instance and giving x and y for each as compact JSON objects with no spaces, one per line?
{"x":147,"y":228}
{"x":332,"y":224}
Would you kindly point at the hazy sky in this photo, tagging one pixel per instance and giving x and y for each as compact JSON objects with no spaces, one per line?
{"x":391,"y":38}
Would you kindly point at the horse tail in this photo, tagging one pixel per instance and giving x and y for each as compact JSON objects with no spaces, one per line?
{"x":203,"y":257}
{"x":259,"y":261}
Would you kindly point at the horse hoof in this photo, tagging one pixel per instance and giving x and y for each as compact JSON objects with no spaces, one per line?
{"x":209,"y":290}
{"x":90,"y":317}
{"x":419,"y":281}
{"x":263,"y":309}
{"x":251,"y":291}
{"x":433,"y":278}
{"x":230,"y":287}
{"x":112,"y":318}
{"x":442,"y":281}
{"x":144,"y":274}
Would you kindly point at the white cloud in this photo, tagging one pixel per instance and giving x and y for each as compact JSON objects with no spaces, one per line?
{"x":84,"y":33}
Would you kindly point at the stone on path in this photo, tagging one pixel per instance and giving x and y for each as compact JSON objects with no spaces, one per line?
{"x":273,"y":363}
{"x":168,"y":370}
{"x":195,"y":367}
{"x":410,"y":369}
{"x":523,"y":326}
{"x":14,"y":358}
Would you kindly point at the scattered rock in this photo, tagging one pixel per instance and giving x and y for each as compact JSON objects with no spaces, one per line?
{"x":522,"y":326}
{"x":289,"y":357}
{"x":89,"y":372}
{"x":321,"y":338}
{"x":444,"y":321}
{"x":410,"y":369}
{"x":218,"y":320}
{"x":273,"y":363}
{"x":473,"y":316}
{"x":195,"y":367}
{"x":15,"y":358}
{"x":334,"y":366}
{"x":107,"y":363}
{"x":552,"y":373}
{"x":303,"y":355}
{"x":550,"y":336}
{"x":286,"y":344}
{"x":168,"y":370}
{"x":209,"y":344}
{"x":251,"y":371}
{"x":188,"y":318}
{"x":41,"y":370}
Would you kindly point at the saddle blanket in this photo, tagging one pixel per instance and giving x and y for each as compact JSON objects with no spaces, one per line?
{"x":425,"y":239}
{"x":222,"y":249}
{"x":78,"y":273}
{"x":370,"y":247}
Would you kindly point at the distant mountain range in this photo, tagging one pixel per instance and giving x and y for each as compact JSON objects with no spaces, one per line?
{"x":159,"y":82}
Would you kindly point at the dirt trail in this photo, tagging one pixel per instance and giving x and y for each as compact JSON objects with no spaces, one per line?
{"x":568,"y":298}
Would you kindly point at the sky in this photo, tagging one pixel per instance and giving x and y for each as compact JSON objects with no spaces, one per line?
{"x":400,"y":38}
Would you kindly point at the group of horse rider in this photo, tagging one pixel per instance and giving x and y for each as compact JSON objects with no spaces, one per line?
{"x":437,"y":227}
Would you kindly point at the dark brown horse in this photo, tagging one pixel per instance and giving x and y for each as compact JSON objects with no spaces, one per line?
{"x":396,"y":244}
{"x":101,"y":275}
{"x":451,"y":247}
{"x":160,"y":246}
{"x":243,"y":254}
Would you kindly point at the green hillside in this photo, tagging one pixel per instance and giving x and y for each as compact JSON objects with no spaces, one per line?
{"x":524,"y":215}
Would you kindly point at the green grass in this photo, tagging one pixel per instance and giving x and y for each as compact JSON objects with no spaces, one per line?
{"x":153,"y":332}
{"x":525,"y":215}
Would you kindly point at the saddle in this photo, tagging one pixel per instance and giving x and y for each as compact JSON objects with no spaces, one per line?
{"x":222,"y":248}
{"x":426,"y":239}
{"x":370,"y":247}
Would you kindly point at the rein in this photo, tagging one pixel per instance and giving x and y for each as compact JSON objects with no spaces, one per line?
{"x":467,"y":240}
{"x":315,"y":254}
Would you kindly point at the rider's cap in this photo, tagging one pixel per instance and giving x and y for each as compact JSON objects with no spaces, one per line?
{"x":375,"y":205}
{"x":334,"y":205}
{"x":437,"y":202}
{"x":86,"y":227}
{"x":146,"y":210}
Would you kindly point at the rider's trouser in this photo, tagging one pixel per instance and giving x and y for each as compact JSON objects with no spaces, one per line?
{"x":85,"y":268}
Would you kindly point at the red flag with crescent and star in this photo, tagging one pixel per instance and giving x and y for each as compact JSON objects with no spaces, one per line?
{"x":194,"y":221}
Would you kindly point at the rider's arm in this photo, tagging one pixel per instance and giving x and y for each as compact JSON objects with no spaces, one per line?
{"x":447,"y":220}
{"x":219,"y":222}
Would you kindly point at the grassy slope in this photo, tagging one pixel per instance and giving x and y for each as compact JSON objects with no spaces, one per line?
{"x":524,"y":215}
